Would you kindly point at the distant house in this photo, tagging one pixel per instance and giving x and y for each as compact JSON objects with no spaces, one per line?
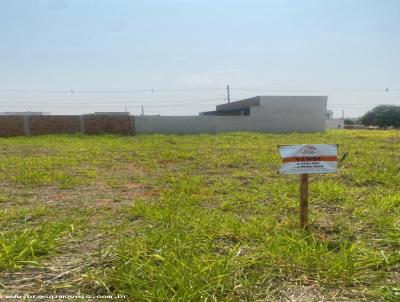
{"x":333,"y":123}
{"x":259,"y":114}
{"x":329,"y":114}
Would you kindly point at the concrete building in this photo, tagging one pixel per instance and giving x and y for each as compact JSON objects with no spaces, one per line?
{"x":329,"y":114}
{"x":333,"y":123}
{"x":259,"y":114}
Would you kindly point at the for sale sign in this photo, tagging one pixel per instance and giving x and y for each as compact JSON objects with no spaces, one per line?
{"x":308,"y":159}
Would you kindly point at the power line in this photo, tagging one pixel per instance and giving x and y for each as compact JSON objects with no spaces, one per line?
{"x":74,"y":91}
{"x":163,"y":90}
{"x":162,"y":101}
{"x":383,"y":90}
{"x":358,"y":105}
{"x":122,"y":104}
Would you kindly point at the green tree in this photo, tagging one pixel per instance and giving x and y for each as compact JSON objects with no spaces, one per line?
{"x":348,"y":121}
{"x":382,"y":115}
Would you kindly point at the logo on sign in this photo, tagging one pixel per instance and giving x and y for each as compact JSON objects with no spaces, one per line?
{"x":308,"y":150}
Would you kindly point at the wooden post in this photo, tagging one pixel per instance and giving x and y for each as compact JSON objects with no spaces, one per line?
{"x":304,"y":201}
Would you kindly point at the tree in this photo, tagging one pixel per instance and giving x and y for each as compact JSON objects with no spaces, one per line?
{"x":348,"y":121}
{"x":382,"y":116}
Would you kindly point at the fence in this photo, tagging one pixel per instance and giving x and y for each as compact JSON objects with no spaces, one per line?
{"x":13,"y":125}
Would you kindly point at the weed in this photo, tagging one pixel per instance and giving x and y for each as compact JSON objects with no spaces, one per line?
{"x":26,"y":246}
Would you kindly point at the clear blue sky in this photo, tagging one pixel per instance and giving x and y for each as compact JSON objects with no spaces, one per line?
{"x":108,"y":51}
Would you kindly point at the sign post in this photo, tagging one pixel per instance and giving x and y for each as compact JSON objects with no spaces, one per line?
{"x":303,"y":200}
{"x":305,"y":160}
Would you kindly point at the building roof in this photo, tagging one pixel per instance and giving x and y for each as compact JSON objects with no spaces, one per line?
{"x":239,"y":105}
{"x":245,"y":104}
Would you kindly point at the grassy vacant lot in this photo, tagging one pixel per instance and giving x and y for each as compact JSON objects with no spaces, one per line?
{"x":198,"y":218}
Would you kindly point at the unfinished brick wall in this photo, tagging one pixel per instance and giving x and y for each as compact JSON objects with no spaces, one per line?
{"x":11,"y":125}
{"x":54,"y":124}
{"x":58,"y":124}
{"x":96,"y":124}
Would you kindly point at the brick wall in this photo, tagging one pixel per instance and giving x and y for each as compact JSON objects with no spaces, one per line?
{"x":57,"y":124}
{"x":54,"y":124}
{"x":95,"y":124}
{"x":11,"y":125}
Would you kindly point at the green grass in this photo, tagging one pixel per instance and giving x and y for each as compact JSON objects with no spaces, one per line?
{"x":26,"y":246}
{"x":202,"y":217}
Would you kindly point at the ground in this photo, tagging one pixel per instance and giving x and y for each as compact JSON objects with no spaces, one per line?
{"x":198,"y":218}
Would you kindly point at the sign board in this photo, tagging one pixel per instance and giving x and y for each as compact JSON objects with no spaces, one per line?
{"x":308,"y":159}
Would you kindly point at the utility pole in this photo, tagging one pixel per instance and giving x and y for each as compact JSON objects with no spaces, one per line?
{"x":228,"y":93}
{"x":142,"y":110}
{"x":342,"y":114}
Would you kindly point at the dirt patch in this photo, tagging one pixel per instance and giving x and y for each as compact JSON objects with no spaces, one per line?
{"x":313,"y":293}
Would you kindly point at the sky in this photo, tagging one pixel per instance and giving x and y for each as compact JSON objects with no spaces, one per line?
{"x":176,"y":57}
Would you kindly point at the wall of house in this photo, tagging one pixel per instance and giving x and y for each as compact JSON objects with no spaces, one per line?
{"x":291,"y":113}
{"x":58,"y":124}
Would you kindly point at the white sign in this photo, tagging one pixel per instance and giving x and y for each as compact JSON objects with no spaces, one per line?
{"x":308,"y":159}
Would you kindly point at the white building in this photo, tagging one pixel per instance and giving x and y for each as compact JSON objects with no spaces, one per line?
{"x":333,"y":123}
